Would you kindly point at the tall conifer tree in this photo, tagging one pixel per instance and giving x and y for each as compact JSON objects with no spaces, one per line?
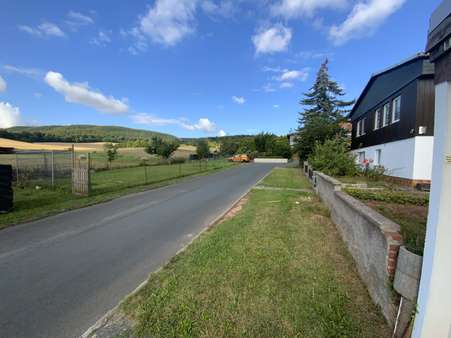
{"x":323,"y":113}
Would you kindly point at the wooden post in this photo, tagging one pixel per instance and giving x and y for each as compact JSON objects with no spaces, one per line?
{"x":73,"y":168}
{"x":145,"y":173}
{"x":52,"y":161}
{"x":17,"y":169}
{"x":180,"y":169}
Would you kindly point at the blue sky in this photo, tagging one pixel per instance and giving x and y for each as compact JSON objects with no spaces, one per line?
{"x":192,"y":67}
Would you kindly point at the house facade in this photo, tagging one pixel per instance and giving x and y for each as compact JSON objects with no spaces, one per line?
{"x":393,"y":121}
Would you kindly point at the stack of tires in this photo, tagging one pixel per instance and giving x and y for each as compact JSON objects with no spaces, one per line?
{"x":6,"y":191}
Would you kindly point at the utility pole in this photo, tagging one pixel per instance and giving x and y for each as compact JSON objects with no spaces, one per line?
{"x":433,"y":319}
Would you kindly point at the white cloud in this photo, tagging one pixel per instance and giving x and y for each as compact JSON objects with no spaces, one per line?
{"x":364,"y":19}
{"x":51,"y":29}
{"x":276,"y":106}
{"x":222,"y":133}
{"x":304,"y":8}
{"x":285,"y":85}
{"x":143,"y":118}
{"x":82,"y":94}
{"x":169,"y":21}
{"x":102,"y":39}
{"x":272,"y":40}
{"x":9,"y":115}
{"x":239,"y":99}
{"x":224,"y":8}
{"x":31,"y":72}
{"x":290,"y":75}
{"x":43,"y":30}
{"x":204,"y":124}
{"x":2,"y":84}
{"x":76,"y":19}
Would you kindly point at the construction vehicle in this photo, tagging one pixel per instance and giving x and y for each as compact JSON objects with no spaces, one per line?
{"x":240,"y":158}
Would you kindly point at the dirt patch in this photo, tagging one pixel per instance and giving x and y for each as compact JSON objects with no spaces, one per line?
{"x":236,"y":208}
{"x":403,"y":210}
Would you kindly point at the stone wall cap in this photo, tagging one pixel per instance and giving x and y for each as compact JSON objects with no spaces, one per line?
{"x":328,"y":178}
{"x":382,"y":222}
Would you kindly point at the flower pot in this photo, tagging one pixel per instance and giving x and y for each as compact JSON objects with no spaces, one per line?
{"x":408,"y":273}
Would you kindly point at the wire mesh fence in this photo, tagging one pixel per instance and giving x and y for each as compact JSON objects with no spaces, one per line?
{"x":78,"y":172}
{"x":40,"y":168}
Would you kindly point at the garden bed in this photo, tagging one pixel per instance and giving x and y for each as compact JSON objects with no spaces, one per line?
{"x":408,"y":209}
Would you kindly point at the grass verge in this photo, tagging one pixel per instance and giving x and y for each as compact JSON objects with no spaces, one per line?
{"x":278,"y":268}
{"x":286,"y":178}
{"x":31,"y":203}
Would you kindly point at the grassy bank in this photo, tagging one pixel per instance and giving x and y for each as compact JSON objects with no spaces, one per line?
{"x":276,"y":269}
{"x":31,"y":203}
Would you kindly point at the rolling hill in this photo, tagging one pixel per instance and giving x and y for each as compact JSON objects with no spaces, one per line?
{"x":80,"y":133}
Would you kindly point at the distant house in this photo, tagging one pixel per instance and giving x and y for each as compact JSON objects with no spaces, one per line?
{"x":393,"y":121}
{"x":292,"y":139}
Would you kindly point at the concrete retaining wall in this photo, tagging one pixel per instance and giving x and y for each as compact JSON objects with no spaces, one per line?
{"x":372,"y":240}
{"x":270,"y":160}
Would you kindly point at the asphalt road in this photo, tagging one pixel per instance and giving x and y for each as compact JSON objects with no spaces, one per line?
{"x":60,"y":274}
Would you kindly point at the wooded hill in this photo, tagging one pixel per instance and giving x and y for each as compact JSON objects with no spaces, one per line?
{"x":80,"y":133}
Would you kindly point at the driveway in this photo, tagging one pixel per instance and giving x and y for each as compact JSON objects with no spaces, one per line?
{"x":60,"y":274}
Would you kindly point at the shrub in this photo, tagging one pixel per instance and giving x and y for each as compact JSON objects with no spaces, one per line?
{"x":160,"y":147}
{"x":333,"y":158}
{"x":202,"y":150}
{"x":390,"y":196}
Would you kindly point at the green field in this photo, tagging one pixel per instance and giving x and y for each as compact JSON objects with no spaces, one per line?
{"x":35,"y":201}
{"x":276,"y":269}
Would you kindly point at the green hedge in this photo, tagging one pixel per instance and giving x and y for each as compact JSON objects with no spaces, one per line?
{"x":390,"y":196}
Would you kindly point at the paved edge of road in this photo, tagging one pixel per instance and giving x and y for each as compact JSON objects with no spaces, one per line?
{"x":132,"y":191}
{"x":105,"y":318}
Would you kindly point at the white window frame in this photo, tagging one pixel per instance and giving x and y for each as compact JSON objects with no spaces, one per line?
{"x":394,"y":109}
{"x":386,"y":115}
{"x":378,"y":157}
{"x":362,"y":127}
{"x":377,"y":119}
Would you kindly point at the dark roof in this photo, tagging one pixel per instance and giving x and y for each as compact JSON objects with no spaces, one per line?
{"x":390,"y":80}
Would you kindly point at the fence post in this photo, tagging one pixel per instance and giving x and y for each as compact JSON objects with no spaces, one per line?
{"x":52,"y":161}
{"x":180,"y":169}
{"x":17,"y":169}
{"x":73,"y":168}
{"x":89,"y":173}
{"x":145,"y":173}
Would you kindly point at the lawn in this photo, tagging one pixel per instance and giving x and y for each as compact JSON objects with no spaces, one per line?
{"x":286,"y":178}
{"x":278,"y":268}
{"x":31,"y":203}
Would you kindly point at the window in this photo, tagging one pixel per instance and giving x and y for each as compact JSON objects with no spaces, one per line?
{"x":361,"y":157}
{"x":361,"y":127}
{"x":377,"y":119}
{"x":378,"y":157}
{"x":386,"y":115}
{"x":396,"y":109}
